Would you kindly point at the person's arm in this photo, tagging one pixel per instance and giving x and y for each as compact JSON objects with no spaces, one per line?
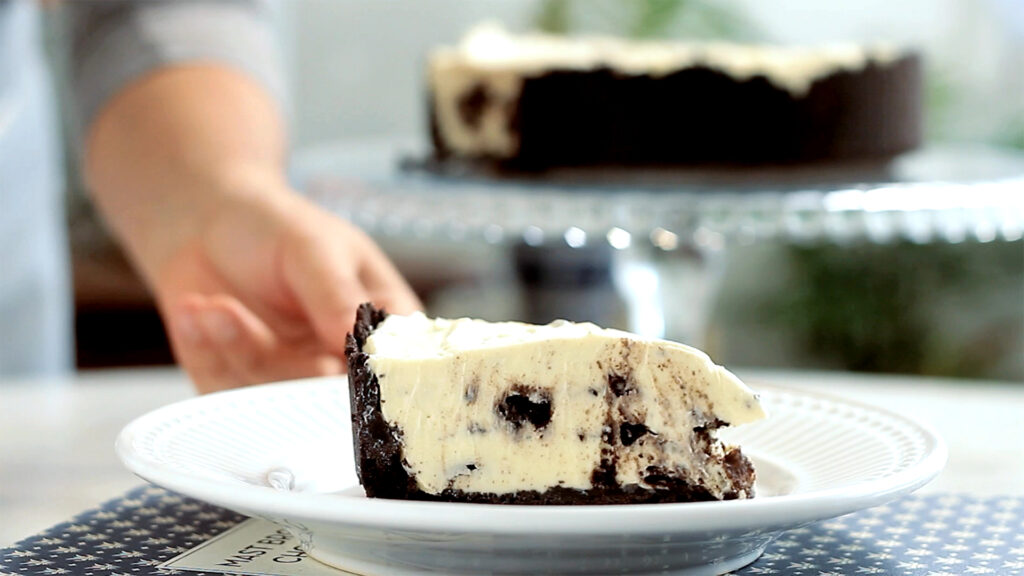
{"x":186,"y":162}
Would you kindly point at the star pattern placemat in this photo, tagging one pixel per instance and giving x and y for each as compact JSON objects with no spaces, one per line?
{"x":150,"y":531}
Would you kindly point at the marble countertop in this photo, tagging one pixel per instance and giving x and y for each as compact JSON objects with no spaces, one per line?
{"x":57,"y":435}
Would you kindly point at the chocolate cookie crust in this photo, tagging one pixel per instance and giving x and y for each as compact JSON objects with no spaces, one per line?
{"x":377,"y":445}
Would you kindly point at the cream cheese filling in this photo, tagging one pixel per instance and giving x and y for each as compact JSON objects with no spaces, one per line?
{"x":455,"y":390}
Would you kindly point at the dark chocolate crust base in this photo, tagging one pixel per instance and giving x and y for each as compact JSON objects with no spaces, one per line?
{"x":377,"y":445}
{"x":701,"y":116}
{"x":379,"y":465}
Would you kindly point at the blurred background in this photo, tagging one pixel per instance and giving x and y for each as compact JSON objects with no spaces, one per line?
{"x":946,"y":307}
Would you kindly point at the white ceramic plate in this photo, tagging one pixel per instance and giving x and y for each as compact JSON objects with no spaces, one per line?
{"x":283,"y":452}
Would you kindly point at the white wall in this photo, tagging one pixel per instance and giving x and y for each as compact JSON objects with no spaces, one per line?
{"x":357,"y":66}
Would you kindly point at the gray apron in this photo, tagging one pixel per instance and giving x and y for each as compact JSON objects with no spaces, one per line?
{"x":35,"y":303}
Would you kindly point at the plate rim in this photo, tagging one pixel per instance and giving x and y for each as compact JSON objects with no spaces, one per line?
{"x":775,"y":512}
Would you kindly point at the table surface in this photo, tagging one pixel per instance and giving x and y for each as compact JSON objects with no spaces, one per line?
{"x":57,"y":435}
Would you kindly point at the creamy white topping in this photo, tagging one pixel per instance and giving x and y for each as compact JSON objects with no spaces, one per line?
{"x":491,"y":59}
{"x":446,"y":385}
{"x":794,"y":68}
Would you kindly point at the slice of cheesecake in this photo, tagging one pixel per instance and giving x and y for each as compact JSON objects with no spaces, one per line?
{"x":472,"y":411}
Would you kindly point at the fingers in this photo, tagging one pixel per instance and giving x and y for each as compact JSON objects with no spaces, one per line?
{"x":330,"y":279}
{"x":328,"y":289}
{"x":286,"y":297}
{"x":255,"y":352}
{"x":387,"y":286}
{"x":209,"y":372}
{"x":223,"y":345}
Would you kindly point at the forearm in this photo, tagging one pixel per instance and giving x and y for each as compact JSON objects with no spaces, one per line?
{"x":175,"y":144}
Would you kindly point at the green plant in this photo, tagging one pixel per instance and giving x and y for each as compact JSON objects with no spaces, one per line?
{"x":554,"y":17}
{"x":941,"y":309}
{"x":647,"y":18}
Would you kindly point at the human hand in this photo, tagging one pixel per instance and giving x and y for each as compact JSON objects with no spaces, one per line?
{"x":266,"y":289}
{"x":254,"y":282}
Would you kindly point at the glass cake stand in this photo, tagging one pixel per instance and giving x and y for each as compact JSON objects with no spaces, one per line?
{"x":656,"y":240}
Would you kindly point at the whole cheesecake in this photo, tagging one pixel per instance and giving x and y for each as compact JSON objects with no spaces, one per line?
{"x":471,"y":411}
{"x":533,"y":102}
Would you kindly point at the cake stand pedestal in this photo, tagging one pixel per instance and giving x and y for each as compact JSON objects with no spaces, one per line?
{"x":666,"y":233}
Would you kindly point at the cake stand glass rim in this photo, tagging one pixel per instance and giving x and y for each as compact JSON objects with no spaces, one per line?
{"x":363,"y":181}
